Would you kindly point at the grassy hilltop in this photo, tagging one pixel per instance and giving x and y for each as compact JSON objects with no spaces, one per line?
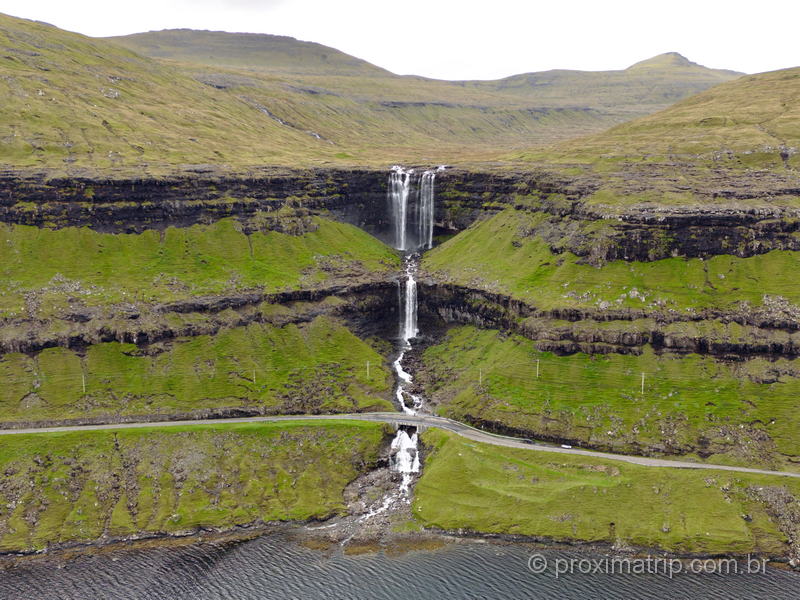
{"x":270,"y":53}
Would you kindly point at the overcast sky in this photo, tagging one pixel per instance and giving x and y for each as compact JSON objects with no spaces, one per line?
{"x":465,"y":39}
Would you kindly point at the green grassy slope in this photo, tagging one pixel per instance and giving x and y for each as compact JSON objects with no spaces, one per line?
{"x":79,"y":487}
{"x":176,"y":264}
{"x":73,"y":100}
{"x":500,"y":255}
{"x":76,"y":102}
{"x":744,"y":410}
{"x":690,"y":403}
{"x":468,"y":485}
{"x":316,"y":367}
{"x":117,"y":282}
{"x":752,"y":122}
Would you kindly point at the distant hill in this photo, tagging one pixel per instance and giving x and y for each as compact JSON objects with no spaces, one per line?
{"x":752,"y":121}
{"x":248,"y":50}
{"x":642,"y":88}
{"x":656,"y":82}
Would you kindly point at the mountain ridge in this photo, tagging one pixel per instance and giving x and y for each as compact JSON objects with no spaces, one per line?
{"x":599,"y":87}
{"x":242,"y":49}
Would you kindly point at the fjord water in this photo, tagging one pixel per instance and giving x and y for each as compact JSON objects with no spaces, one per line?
{"x":275,"y":567}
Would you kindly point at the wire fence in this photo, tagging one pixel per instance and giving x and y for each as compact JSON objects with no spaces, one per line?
{"x":89,"y":380}
{"x":556,"y":377}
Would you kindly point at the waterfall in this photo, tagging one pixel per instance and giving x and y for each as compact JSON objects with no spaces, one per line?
{"x":404,"y":455}
{"x":398,"y":195}
{"x":408,"y":331}
{"x":425,"y":211}
{"x":405,"y":459}
{"x":399,"y":187}
{"x":408,"y":328}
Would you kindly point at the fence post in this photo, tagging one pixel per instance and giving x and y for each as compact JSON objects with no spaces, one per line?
{"x":642,"y":383}
{"x":367,"y":369}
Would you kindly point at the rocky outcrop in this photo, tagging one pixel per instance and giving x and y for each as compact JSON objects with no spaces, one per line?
{"x":369,"y":308}
{"x":771,"y":331}
{"x":647,"y":234}
{"x":135,"y":204}
{"x":784,"y":508}
{"x":576,"y":223}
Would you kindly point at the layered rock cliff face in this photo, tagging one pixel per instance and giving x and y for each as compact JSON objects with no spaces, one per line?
{"x":576,"y":221}
{"x":772,"y":330}
{"x":568,"y":219}
{"x":187,"y":198}
{"x":732,"y":213}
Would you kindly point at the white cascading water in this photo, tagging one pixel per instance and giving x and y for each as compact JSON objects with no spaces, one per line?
{"x":399,"y":188}
{"x":408,"y":331}
{"x":425,"y":211}
{"x":409,"y":328}
{"x":405,"y":459}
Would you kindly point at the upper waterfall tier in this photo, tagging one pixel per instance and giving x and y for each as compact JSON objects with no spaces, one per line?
{"x":413,"y":230}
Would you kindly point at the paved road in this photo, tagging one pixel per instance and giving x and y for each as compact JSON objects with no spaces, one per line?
{"x":420,"y":420}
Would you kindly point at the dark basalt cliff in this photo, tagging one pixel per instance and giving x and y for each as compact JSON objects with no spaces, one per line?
{"x":771,"y":331}
{"x":358,"y":196}
{"x":745,"y":218}
{"x":133,"y":205}
{"x":369,"y":309}
{"x":568,"y":221}
{"x":647,"y":234}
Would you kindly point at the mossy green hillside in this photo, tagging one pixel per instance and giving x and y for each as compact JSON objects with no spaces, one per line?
{"x":314,"y":367}
{"x":43,"y":269}
{"x":691,"y":404}
{"x":84,"y":486}
{"x":500,"y":254}
{"x":480,"y":487}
